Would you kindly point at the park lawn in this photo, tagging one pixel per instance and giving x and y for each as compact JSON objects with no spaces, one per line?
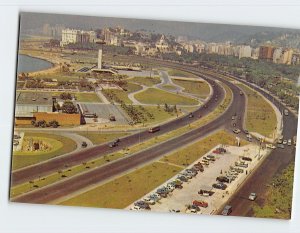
{"x":99,"y":138}
{"x":194,"y":87}
{"x":155,"y":96}
{"x":188,"y":154}
{"x":123,"y":94}
{"x":260,"y":117}
{"x":180,"y":73}
{"x":61,"y":145}
{"x":169,"y":87}
{"x":59,"y":76}
{"x":122,"y":191}
{"x":278,"y":200}
{"x":147,"y":81}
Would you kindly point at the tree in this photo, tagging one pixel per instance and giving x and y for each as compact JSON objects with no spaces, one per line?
{"x":68,"y":107}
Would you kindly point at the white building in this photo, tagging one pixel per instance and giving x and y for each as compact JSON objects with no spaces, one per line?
{"x":245,"y":51}
{"x":72,"y":36}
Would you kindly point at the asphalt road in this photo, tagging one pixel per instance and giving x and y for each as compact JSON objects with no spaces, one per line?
{"x":274,"y":164}
{"x":81,"y":181}
{"x":58,"y":163}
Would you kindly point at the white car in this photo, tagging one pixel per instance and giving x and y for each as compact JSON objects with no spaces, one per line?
{"x":135,"y":208}
{"x":252,"y":196}
{"x":289,"y":142}
{"x":270,"y":146}
{"x":284,"y":142}
{"x":149,"y":201}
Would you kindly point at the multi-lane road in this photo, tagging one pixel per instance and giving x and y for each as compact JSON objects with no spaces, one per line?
{"x":81,"y":181}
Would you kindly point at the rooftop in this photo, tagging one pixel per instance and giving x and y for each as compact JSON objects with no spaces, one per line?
{"x":35,"y":98}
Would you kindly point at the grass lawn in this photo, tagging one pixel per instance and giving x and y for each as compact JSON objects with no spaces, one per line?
{"x":147,"y":81}
{"x":180,"y":73}
{"x":123,"y":95}
{"x":155,"y":96}
{"x":60,"y":145}
{"x":261,"y":117}
{"x":99,"y":138}
{"x":278,"y":202}
{"x":59,"y":76}
{"x":194,"y":87}
{"x":189,"y":154}
{"x":169,"y":87}
{"x":124,"y":190}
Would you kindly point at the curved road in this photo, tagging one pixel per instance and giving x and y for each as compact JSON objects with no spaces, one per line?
{"x":61,"y":189}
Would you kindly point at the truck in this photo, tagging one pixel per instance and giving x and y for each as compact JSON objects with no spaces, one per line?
{"x":154,"y":129}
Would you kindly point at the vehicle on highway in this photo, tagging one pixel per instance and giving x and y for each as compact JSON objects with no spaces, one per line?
{"x":294,"y":140}
{"x":191,"y":115}
{"x":281,"y":146}
{"x":113,"y":144}
{"x":154,"y":129}
{"x":236,"y":130}
{"x":200,"y":203}
{"x":112,"y":118}
{"x":233,"y":118}
{"x":227,"y":210}
{"x":252,"y":196}
{"x":241,"y":93}
{"x":219,"y":186}
{"x":83,"y":144}
{"x":284,"y":142}
{"x":222,"y":179}
{"x":286,"y":112}
{"x":270,"y":146}
{"x":117,"y":140}
{"x":289,"y":142}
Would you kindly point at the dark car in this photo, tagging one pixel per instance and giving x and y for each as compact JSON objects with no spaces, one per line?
{"x":222,"y":179}
{"x":227,"y":210}
{"x":280,"y":146}
{"x":219,"y":186}
{"x":83,"y":144}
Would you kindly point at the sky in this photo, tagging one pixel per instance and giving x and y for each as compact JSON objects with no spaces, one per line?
{"x":203,"y":31}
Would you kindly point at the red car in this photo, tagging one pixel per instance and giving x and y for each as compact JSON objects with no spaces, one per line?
{"x":200,"y":203}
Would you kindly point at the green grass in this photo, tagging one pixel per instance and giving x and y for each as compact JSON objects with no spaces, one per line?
{"x":122,"y":94}
{"x":99,"y":138}
{"x":60,"y":76}
{"x":155,"y":96}
{"x":60,"y":145}
{"x":278,"y":202}
{"x":180,"y":73}
{"x":147,"y":81}
{"x":169,"y":87}
{"x":194,"y":87}
{"x":189,"y":154}
{"x":261,"y":117}
{"x":124,"y":190}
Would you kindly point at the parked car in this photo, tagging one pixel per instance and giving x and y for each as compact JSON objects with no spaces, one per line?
{"x":280,"y":146}
{"x":182,"y":178}
{"x":227,"y":210}
{"x":246,"y":158}
{"x":135,"y":208}
{"x":149,"y":201}
{"x":284,"y":142}
{"x":252,"y":196}
{"x":289,"y":142}
{"x":219,"y":186}
{"x":270,"y":146}
{"x":206,"y":192}
{"x":200,"y":203}
{"x":222,"y":179}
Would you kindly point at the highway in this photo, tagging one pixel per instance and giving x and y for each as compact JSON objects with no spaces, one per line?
{"x":277,"y":161}
{"x":81,"y":181}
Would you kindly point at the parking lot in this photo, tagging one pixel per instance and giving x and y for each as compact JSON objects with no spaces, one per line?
{"x":181,"y":199}
{"x":104,"y":111}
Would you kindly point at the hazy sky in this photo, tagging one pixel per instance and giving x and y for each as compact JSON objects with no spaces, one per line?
{"x":204,"y":31}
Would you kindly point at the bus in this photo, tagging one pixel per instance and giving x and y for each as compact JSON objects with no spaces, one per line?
{"x":154,"y":129}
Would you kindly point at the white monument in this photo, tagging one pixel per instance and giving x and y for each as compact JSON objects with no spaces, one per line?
{"x":100,"y":59}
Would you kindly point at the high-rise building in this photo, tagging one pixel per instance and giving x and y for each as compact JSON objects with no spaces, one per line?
{"x":266,"y":52}
{"x":245,"y":51}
